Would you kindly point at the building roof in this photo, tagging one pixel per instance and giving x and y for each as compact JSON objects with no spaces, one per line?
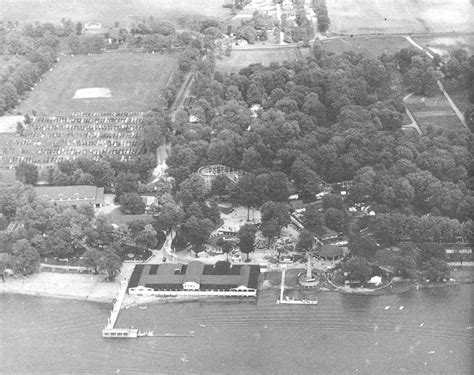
{"x":71,"y":195}
{"x":330,"y":251}
{"x":222,"y":275}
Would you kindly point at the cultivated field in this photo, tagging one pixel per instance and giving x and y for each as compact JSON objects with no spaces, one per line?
{"x":108,"y":11}
{"x":240,"y":58}
{"x":134,"y":82}
{"x":444,"y":45}
{"x":372,"y":45}
{"x":435,"y":112}
{"x":400,"y":16}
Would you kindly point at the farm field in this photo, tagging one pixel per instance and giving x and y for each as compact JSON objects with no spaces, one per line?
{"x":372,"y":45}
{"x":402,"y":16}
{"x":109,"y":11}
{"x":240,"y":58}
{"x":435,"y":112}
{"x":446,"y":44}
{"x":134,"y":82}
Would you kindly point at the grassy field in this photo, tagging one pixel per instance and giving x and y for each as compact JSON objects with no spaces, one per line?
{"x":134,"y":82}
{"x":241,"y":58}
{"x":372,"y":45}
{"x":108,"y":11}
{"x":401,"y":16}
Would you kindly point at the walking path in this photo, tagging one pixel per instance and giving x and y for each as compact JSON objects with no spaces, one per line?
{"x":413,"y":123}
{"x":440,"y":85}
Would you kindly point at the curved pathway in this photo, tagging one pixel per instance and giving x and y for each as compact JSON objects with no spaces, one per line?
{"x":413,"y":123}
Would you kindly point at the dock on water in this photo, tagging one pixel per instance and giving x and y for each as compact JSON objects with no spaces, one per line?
{"x":110,"y":331}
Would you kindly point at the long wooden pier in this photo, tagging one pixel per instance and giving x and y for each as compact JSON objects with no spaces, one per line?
{"x":109,"y":330}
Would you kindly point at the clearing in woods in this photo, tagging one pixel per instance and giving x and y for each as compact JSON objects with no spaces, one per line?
{"x":134,"y":82}
{"x":240,"y":58}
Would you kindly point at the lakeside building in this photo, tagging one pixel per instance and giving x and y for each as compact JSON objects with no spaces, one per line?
{"x":73,"y":196}
{"x":194,"y":279}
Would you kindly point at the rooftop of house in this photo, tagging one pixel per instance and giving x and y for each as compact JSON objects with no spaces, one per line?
{"x":174,"y":275}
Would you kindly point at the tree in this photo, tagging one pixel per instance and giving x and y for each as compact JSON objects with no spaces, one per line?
{"x":335,"y":219}
{"x":245,"y":192}
{"x":196,"y":232}
{"x":125,"y":183}
{"x":435,"y":269}
{"x":227,"y":248}
{"x":358,"y":269}
{"x":132,"y":203}
{"x":191,"y":190}
{"x":305,"y":241}
{"x":147,"y":237}
{"x":428,"y":251}
{"x":110,"y":262}
{"x":92,"y":258}
{"x":322,"y":17}
{"x":404,"y":266}
{"x":168,"y":216}
{"x":313,"y":219}
{"x":27,"y":173}
{"x":363,"y":247}
{"x":275,"y":211}
{"x":247,"y":239}
{"x":78,"y":28}
{"x":270,"y":229}
{"x":20,"y":128}
{"x":25,"y":258}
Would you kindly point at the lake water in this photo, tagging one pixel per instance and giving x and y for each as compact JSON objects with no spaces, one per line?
{"x":343,"y":334}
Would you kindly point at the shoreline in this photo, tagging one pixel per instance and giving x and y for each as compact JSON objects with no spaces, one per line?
{"x":65,"y":286}
{"x":93,"y":288}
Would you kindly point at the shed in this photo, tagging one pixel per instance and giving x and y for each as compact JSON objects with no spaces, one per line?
{"x":376,"y":280}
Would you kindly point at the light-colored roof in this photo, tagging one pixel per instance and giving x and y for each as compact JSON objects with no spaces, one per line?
{"x":71,"y":195}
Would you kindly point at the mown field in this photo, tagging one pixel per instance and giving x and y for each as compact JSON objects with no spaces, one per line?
{"x":240,"y":58}
{"x":134,"y":81}
{"x":372,"y":45}
{"x":108,"y":11}
{"x":401,"y":16}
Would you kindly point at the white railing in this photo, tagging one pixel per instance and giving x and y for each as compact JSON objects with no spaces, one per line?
{"x":189,"y":293}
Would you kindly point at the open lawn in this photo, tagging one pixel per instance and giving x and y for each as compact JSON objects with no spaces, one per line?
{"x":134,"y":82}
{"x":108,"y":11}
{"x":240,"y":58}
{"x":401,"y":16}
{"x":372,"y":45}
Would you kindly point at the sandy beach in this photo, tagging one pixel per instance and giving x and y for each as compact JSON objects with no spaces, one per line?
{"x":74,"y":286}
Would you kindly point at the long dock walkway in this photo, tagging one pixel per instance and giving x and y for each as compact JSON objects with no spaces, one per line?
{"x":117,"y":304}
